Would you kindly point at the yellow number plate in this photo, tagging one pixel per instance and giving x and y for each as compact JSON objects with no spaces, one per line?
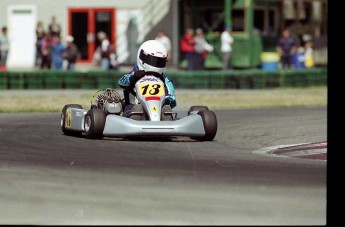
{"x":151,"y":89}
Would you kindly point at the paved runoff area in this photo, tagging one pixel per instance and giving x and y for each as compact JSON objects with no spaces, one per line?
{"x":315,"y":150}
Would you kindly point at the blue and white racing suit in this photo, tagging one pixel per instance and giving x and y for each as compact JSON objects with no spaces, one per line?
{"x":170,"y":98}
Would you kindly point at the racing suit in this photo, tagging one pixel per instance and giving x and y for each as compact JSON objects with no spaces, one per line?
{"x":125,"y":83}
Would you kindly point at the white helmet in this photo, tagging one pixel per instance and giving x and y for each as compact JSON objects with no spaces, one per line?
{"x":152,"y":56}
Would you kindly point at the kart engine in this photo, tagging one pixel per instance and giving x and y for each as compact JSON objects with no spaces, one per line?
{"x":109,"y":101}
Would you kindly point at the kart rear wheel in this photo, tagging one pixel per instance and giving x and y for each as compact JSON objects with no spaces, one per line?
{"x":94,"y":124}
{"x":197,"y":108}
{"x":63,"y":120}
{"x":210,"y":125}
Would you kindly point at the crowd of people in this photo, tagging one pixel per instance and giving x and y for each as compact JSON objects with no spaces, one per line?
{"x":60,"y":53}
{"x":53,"y":53}
{"x":194,"y":48}
{"x":292,"y":53}
{"x":105,"y":54}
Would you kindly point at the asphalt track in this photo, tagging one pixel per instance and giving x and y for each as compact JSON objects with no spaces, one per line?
{"x":50,"y":178}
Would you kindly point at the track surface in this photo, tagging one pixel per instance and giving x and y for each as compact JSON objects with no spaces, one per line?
{"x":50,"y":178}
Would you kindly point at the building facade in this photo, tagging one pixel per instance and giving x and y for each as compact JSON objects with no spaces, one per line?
{"x":128,"y":23}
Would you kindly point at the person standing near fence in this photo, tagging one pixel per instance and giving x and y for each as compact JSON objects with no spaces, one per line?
{"x":105,"y":50}
{"x":164,"y":39}
{"x":71,"y":53}
{"x":46,"y":45}
{"x":308,"y":54}
{"x":4,"y":46}
{"x":58,"y":50}
{"x":202,"y":47}
{"x":286,"y":48}
{"x":54,"y":27}
{"x":226,"y":47}
{"x":40,"y":33}
{"x":187,"y":48}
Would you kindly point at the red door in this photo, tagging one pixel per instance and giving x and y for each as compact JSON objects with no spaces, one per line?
{"x":85,"y":23}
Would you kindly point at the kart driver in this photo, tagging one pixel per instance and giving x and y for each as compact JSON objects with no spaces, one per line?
{"x":152,"y":58}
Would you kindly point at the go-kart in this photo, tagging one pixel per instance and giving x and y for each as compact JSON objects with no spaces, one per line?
{"x":148,"y":117}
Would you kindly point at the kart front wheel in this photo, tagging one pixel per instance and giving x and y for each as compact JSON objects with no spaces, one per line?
{"x":209,"y":120}
{"x":64,"y":117}
{"x":197,"y":108}
{"x":94,"y":124}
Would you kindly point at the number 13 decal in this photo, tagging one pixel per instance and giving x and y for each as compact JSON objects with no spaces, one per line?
{"x":151,"y":89}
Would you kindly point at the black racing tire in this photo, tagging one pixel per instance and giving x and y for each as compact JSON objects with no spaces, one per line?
{"x":197,"y":108}
{"x":209,"y":120}
{"x":63,"y":120}
{"x":94,"y":123}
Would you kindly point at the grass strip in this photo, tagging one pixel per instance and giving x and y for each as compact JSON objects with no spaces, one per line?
{"x":12,"y":101}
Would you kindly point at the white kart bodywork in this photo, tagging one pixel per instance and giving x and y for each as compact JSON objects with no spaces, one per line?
{"x":150,"y":95}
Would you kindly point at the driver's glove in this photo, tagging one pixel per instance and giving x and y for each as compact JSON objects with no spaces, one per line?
{"x":136,"y":76}
{"x":170,"y":101}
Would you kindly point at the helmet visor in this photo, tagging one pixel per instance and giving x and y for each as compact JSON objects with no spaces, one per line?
{"x":152,"y":60}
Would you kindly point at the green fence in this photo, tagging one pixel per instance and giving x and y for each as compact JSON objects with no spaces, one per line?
{"x":207,"y":79}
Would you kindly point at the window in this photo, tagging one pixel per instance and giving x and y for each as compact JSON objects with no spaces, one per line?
{"x":238,"y":24}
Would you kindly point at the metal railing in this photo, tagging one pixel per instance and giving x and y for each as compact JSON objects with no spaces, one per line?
{"x":207,"y":79}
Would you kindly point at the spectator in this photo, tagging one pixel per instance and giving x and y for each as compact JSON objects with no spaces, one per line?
{"x":187,"y":48}
{"x":71,"y":53}
{"x":40,"y":32}
{"x":4,"y":46}
{"x":54,"y":27}
{"x":114,"y":64}
{"x":226,"y":47}
{"x":286,"y":48}
{"x":58,"y":50}
{"x":308,"y":54}
{"x":163,"y":39}
{"x":105,"y":50}
{"x":201,"y":49}
{"x":96,"y":58}
{"x":46,"y":51}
